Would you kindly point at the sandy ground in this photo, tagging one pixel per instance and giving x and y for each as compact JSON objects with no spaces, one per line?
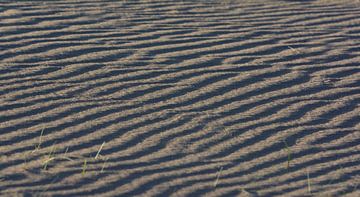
{"x":180,"y":98}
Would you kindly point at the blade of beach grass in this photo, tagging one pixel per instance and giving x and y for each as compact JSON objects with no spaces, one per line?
{"x":103,"y":166}
{"x":98,"y":153}
{"x":295,"y":50}
{"x":38,"y":146}
{"x":84,"y":167}
{"x":66,"y":151}
{"x":288,"y":154}
{"x":218,"y":177}
{"x":50,"y":157}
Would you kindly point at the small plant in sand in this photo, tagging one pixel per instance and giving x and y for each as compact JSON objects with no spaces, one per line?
{"x":50,"y":157}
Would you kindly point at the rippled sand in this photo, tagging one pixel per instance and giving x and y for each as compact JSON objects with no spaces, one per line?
{"x":180,"y":98}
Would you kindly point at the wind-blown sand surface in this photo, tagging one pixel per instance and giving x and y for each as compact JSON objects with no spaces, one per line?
{"x":192,"y":98}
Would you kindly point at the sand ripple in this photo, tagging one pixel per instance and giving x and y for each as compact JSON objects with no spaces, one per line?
{"x":192,"y":98}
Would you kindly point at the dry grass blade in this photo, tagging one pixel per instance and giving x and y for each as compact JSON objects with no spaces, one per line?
{"x":218,"y":177}
{"x":66,"y":151}
{"x":308,"y":181}
{"x":98,"y":153}
{"x":59,"y":157}
{"x":295,"y":50}
{"x":84,"y":167}
{"x":288,"y":154}
{"x":50,"y":157}
{"x":38,"y":146}
{"x":103,"y":166}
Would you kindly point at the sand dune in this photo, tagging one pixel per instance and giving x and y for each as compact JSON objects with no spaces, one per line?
{"x":180,"y":98}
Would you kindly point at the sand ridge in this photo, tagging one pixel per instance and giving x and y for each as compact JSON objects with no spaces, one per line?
{"x":180,"y":98}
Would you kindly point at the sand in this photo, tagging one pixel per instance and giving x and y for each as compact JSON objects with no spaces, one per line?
{"x":180,"y":98}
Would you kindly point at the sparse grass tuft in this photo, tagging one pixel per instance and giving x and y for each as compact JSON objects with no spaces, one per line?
{"x":50,"y":157}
